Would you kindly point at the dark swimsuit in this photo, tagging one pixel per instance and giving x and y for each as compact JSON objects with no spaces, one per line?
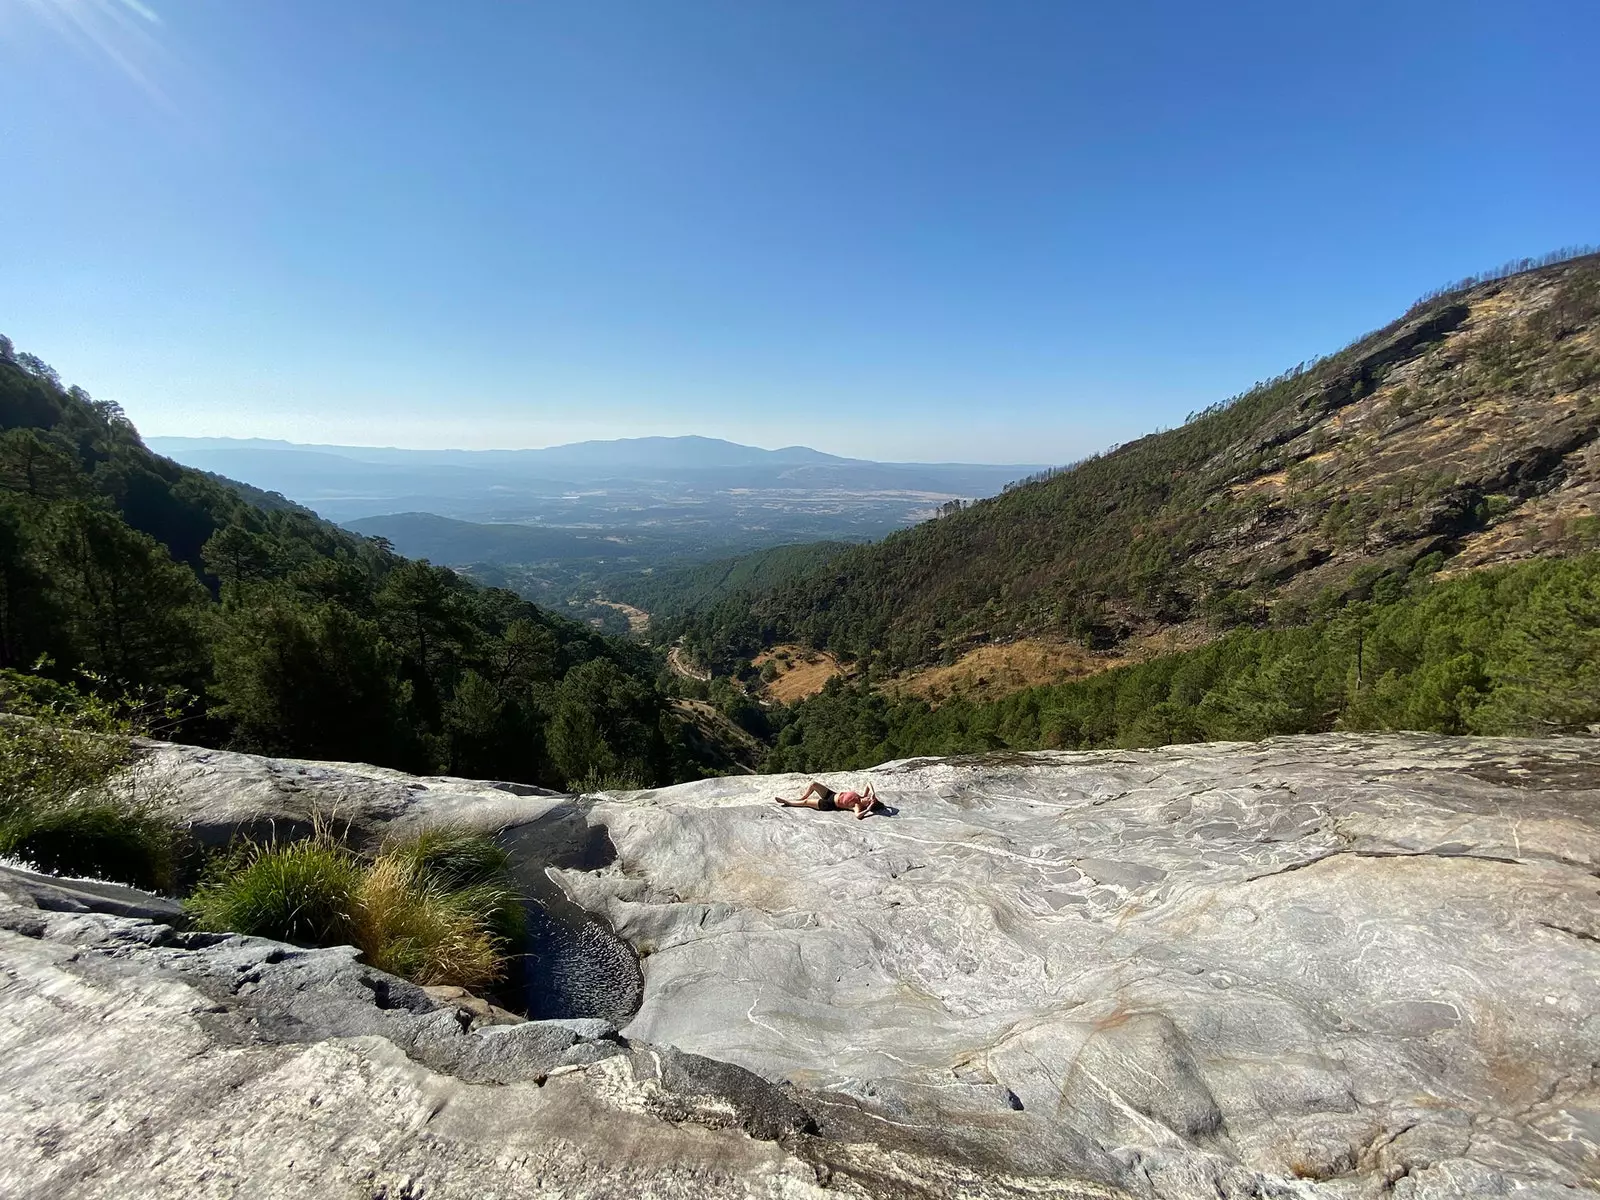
{"x":825,"y":801}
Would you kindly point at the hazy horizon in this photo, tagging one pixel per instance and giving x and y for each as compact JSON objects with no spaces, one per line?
{"x":373,"y":446}
{"x":908,"y":232}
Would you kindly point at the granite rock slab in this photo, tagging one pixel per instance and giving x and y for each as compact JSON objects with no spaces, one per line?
{"x":1347,"y":963}
{"x":1348,"y":966}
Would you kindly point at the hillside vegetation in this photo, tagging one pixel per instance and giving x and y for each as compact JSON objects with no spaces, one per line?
{"x":672,"y":592}
{"x":277,"y":632}
{"x":1465,"y":429}
{"x":574,"y":571}
{"x":1513,"y":649}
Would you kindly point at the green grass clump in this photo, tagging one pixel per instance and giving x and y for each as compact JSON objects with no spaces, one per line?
{"x":453,"y":858}
{"x":303,"y":892}
{"x":437,"y":907}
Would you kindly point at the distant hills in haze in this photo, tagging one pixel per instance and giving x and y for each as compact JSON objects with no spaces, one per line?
{"x":564,"y":524}
{"x":595,"y":483}
{"x":670,"y":453}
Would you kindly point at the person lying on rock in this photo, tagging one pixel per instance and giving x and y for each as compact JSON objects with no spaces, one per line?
{"x":824,"y":799}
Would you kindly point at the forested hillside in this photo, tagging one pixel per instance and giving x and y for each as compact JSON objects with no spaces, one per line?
{"x":277,"y":632}
{"x":1465,"y":429}
{"x":670,"y":593}
{"x":1513,"y":649}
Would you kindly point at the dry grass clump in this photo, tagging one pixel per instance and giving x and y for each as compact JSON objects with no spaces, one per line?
{"x":408,"y":925}
{"x":303,"y":892}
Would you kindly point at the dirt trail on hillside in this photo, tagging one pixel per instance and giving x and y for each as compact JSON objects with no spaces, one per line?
{"x":676,"y":661}
{"x":638,"y":619}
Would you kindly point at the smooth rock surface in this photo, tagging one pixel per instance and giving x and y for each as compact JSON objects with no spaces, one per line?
{"x":1342,"y":967}
{"x":1368,"y":961}
{"x":136,"y":1062}
{"x":220,"y":793}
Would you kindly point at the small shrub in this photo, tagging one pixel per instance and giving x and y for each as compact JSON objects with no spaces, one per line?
{"x":100,"y":839}
{"x":302,"y":892}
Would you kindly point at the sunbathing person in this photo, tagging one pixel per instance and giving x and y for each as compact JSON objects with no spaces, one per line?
{"x":824,"y":799}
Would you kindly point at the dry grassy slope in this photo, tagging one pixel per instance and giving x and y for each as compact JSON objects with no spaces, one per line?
{"x":800,"y":672}
{"x":1484,"y":446}
{"x":999,"y":669}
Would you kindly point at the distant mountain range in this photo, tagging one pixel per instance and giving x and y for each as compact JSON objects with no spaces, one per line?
{"x":597,"y":483}
{"x":648,"y":453}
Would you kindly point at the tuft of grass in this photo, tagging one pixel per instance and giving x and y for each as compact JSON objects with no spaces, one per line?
{"x":411,"y":926}
{"x":303,"y":892}
{"x":436,"y":907}
{"x":452,"y":857}
{"x":474,"y":868}
{"x":596,"y":781}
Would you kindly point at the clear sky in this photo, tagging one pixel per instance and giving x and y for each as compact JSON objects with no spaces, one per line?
{"x":981,"y":231}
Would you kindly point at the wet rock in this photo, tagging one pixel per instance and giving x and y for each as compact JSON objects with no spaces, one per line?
{"x":86,"y":895}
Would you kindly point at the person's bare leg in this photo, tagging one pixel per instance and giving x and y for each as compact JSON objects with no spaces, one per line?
{"x":814,"y":788}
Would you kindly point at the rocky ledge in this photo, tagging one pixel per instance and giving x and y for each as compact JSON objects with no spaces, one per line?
{"x":1314,"y":967}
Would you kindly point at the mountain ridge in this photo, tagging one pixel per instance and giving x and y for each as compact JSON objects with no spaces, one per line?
{"x":611,"y":481}
{"x":1465,"y":429}
{"x":695,"y":450}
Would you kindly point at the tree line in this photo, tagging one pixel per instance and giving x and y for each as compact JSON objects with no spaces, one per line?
{"x":1510,"y":650}
{"x":284,"y":634}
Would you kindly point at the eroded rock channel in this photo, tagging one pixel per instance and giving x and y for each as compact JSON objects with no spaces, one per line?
{"x":573,"y":964}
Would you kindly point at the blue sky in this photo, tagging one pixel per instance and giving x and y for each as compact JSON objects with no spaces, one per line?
{"x":988,"y":231}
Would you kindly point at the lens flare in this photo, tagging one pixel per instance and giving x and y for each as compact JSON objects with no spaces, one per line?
{"x":122,"y":32}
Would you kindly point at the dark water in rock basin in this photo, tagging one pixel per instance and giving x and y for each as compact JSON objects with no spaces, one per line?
{"x":573,"y":964}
